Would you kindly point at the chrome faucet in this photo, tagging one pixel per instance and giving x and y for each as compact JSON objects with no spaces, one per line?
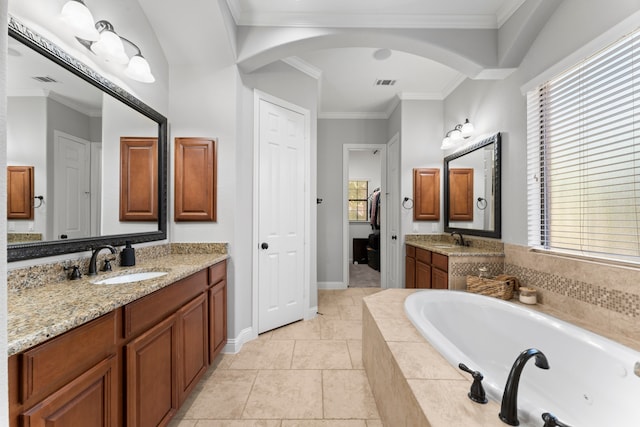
{"x":509,"y":409}
{"x":93,"y":269}
{"x":460,"y":242}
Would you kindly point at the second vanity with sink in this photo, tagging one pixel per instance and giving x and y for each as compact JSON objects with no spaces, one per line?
{"x":437,"y":262}
{"x":125,"y":352}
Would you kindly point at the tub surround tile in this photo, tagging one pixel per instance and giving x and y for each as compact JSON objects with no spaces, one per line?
{"x":447,"y":404}
{"x":36,"y":314}
{"x":398,"y":329}
{"x":606,"y":297}
{"x":411,"y":358}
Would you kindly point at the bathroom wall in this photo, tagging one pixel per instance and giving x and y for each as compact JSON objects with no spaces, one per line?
{"x":332,"y":135}
{"x":606,"y":295}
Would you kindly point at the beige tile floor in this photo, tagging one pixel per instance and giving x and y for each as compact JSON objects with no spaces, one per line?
{"x":307,"y":374}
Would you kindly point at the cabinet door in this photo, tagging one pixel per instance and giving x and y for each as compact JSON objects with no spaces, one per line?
{"x":152,"y":396}
{"x":426,"y":194}
{"x":439,"y":279}
{"x":20,"y":192}
{"x":410,"y":272}
{"x":217,"y":318}
{"x":138,"y":179}
{"x":195,"y":179}
{"x":423,"y":275}
{"x":461,"y":194}
{"x":89,"y":400}
{"x":193,"y":350}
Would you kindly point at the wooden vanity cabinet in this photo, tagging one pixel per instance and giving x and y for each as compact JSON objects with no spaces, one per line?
{"x":134,"y":366}
{"x":425,"y":269}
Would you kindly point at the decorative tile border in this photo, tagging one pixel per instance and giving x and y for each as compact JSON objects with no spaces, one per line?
{"x":464,"y":269}
{"x":611,"y":299}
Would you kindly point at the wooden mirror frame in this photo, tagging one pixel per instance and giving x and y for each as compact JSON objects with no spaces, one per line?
{"x":51,"y":51}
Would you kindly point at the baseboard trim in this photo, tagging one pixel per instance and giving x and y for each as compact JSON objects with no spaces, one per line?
{"x":234,"y":345}
{"x":331,"y":285}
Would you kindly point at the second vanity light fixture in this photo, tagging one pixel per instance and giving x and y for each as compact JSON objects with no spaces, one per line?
{"x":101,"y":39}
{"x":457,"y":134}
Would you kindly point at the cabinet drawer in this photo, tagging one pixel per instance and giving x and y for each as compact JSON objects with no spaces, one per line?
{"x":140,"y":315}
{"x":440,"y":261}
{"x":49,"y":366}
{"x":217,"y":272}
{"x":411,"y":251}
{"x":423,"y":255}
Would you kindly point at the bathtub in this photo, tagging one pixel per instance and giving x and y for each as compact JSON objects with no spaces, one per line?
{"x":591,"y":380}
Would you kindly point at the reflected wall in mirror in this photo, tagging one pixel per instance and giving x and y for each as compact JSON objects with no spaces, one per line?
{"x":472,"y":186}
{"x":67,"y":121}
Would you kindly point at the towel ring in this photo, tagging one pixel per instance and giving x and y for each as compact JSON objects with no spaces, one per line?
{"x":41,"y":198}
{"x":404,"y":203}
{"x":481,"y":203}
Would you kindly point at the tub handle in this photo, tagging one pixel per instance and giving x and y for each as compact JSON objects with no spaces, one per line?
{"x":476,"y":393}
{"x":551,"y":420}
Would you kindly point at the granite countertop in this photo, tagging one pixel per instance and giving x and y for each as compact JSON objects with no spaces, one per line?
{"x":450,"y":249}
{"x":38,"y":314}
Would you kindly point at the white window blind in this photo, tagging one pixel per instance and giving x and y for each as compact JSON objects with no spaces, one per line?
{"x":584,"y":156}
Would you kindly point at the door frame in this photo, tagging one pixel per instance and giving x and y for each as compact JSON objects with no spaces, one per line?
{"x":255,"y":282}
{"x":345,"y":209}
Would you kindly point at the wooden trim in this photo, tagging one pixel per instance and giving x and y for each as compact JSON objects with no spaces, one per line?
{"x":138,"y":179}
{"x":20,"y":192}
{"x":195,"y":179}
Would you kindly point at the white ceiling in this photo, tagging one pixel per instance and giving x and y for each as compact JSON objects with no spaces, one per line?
{"x":347,"y":75}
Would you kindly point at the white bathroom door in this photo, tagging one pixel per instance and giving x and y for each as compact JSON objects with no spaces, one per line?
{"x":393,"y":214}
{"x":281,"y":216}
{"x":72,"y":187}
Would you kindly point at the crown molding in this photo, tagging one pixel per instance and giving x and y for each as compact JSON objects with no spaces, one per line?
{"x":507,"y":9}
{"x":303,"y":67}
{"x":353,"y":115}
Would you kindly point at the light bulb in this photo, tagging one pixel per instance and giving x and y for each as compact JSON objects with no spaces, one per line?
{"x":455,"y":134}
{"x":80,"y":20}
{"x":139,"y":69}
{"x":467,"y":129}
{"x":110,"y":47}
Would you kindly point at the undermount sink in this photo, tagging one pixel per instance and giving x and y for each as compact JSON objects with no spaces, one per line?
{"x":130,"y":278}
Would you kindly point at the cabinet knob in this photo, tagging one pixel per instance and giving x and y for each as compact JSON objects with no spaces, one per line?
{"x":264,"y":245}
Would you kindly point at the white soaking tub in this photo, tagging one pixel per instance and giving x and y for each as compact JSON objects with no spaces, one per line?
{"x":591,"y":381}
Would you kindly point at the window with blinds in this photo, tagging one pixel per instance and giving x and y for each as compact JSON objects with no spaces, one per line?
{"x":584,"y":156}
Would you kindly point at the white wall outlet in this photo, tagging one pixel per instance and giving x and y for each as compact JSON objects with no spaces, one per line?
{"x":12,"y":226}
{"x":30,"y":226}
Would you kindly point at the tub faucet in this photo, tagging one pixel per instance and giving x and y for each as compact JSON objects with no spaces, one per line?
{"x":460,"y":242}
{"x":509,"y":408}
{"x":93,"y":269}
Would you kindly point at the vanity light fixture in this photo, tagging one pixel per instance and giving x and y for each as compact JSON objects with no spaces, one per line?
{"x":110,"y":47}
{"x":459,"y":132}
{"x":79,"y":18}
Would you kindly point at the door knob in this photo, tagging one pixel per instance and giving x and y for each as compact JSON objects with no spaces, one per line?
{"x":264,"y":245}
{"x":394,"y":237}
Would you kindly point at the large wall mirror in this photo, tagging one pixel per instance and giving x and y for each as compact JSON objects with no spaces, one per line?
{"x":66,"y":121}
{"x":472,"y":203}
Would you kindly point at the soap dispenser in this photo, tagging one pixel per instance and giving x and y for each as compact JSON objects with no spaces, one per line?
{"x":128,"y":255}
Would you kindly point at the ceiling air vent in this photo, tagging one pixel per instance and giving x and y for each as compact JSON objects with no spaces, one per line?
{"x":385,"y":82}
{"x":45,"y":79}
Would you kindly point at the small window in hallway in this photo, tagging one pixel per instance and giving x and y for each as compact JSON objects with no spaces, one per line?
{"x":358,"y":200}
